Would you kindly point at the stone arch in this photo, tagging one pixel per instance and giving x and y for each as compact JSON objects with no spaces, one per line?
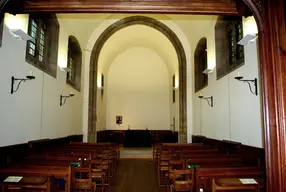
{"x":165,"y":30}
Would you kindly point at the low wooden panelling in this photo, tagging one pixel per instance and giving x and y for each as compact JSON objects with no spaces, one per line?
{"x":16,"y":153}
{"x":251,"y":155}
{"x":118,"y":136}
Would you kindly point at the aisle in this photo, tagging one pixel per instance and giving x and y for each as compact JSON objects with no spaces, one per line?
{"x":136,"y":153}
{"x":135,"y":175}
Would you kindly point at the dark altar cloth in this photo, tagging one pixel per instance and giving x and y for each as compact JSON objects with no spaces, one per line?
{"x":138,"y":138}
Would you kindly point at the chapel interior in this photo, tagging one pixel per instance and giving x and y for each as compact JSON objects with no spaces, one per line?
{"x":131,"y":102}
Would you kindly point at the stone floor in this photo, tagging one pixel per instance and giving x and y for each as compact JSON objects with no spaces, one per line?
{"x":136,"y":153}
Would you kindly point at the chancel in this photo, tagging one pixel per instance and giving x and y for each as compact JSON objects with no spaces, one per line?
{"x":142,"y":96}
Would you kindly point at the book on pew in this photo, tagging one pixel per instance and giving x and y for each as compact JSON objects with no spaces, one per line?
{"x":248,"y":181}
{"x":13,"y":179}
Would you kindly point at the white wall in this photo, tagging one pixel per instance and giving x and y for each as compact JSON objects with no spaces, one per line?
{"x":34,"y":111}
{"x":138,"y":89}
{"x":236,"y":114}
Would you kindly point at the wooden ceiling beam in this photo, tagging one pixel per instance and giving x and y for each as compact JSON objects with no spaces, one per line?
{"x":140,"y":6}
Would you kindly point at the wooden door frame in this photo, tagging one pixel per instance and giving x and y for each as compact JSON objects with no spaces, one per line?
{"x":272,"y":56}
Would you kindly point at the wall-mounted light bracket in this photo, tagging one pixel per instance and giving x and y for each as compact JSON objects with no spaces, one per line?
{"x":14,"y":80}
{"x":63,"y":98}
{"x":209,"y":100}
{"x":254,"y":81}
{"x":249,"y":38}
{"x":20,"y":34}
{"x":208,"y":71}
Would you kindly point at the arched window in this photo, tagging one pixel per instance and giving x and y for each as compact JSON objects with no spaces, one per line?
{"x":74,"y":63}
{"x":201,"y":62}
{"x":42,"y":50}
{"x":229,"y":55}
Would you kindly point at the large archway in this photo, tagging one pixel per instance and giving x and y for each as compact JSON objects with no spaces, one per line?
{"x":269,"y":15}
{"x":165,"y":30}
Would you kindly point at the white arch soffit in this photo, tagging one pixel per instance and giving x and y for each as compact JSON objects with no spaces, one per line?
{"x":101,"y":28}
{"x":106,"y":67}
{"x":171,"y":61}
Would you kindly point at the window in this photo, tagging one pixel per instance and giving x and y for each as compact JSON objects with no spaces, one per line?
{"x":42,"y":50}
{"x":201,"y":62}
{"x":173,"y":88}
{"x":102,"y":88}
{"x":74,"y":63}
{"x":1,"y":28}
{"x":229,"y":55}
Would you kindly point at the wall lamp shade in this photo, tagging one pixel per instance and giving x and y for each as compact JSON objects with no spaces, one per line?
{"x":254,"y":81}
{"x":249,"y":38}
{"x":66,"y":69}
{"x":208,"y":71}
{"x":14,"y":80}
{"x":63,"y":98}
{"x":20,"y":34}
{"x":209,"y":100}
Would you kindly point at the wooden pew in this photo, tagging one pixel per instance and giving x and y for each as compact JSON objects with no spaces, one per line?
{"x":59,"y":172}
{"x":230,"y":184}
{"x":55,"y":161}
{"x":66,"y":158}
{"x":31,"y":184}
{"x":168,"y":152}
{"x":204,"y":176}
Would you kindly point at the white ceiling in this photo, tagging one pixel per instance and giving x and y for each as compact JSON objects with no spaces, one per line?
{"x":138,"y":36}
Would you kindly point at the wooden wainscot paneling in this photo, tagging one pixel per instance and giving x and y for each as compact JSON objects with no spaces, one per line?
{"x":253,"y":156}
{"x":118,"y":136}
{"x":13,"y":153}
{"x":16,"y":153}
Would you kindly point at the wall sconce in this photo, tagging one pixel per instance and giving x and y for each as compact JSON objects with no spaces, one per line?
{"x":20,"y":34}
{"x":63,"y":98}
{"x":249,"y":38}
{"x":209,"y":100}
{"x":208,"y":71}
{"x":13,"y":80}
{"x":101,"y":85}
{"x":240,"y":78}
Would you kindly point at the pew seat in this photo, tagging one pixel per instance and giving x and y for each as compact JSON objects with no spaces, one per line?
{"x":30,"y":183}
{"x":230,"y":184}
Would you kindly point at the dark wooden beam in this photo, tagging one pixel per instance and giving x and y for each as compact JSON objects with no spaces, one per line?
{"x":101,"y":6}
{"x":243,"y":9}
{"x":13,"y":6}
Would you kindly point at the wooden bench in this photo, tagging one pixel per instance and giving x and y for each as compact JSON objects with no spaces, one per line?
{"x":30,"y":183}
{"x":230,"y":184}
{"x":52,"y":158}
{"x":59,"y":172}
{"x":204,"y":176}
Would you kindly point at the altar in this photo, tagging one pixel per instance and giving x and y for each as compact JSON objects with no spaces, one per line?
{"x":138,"y":138}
